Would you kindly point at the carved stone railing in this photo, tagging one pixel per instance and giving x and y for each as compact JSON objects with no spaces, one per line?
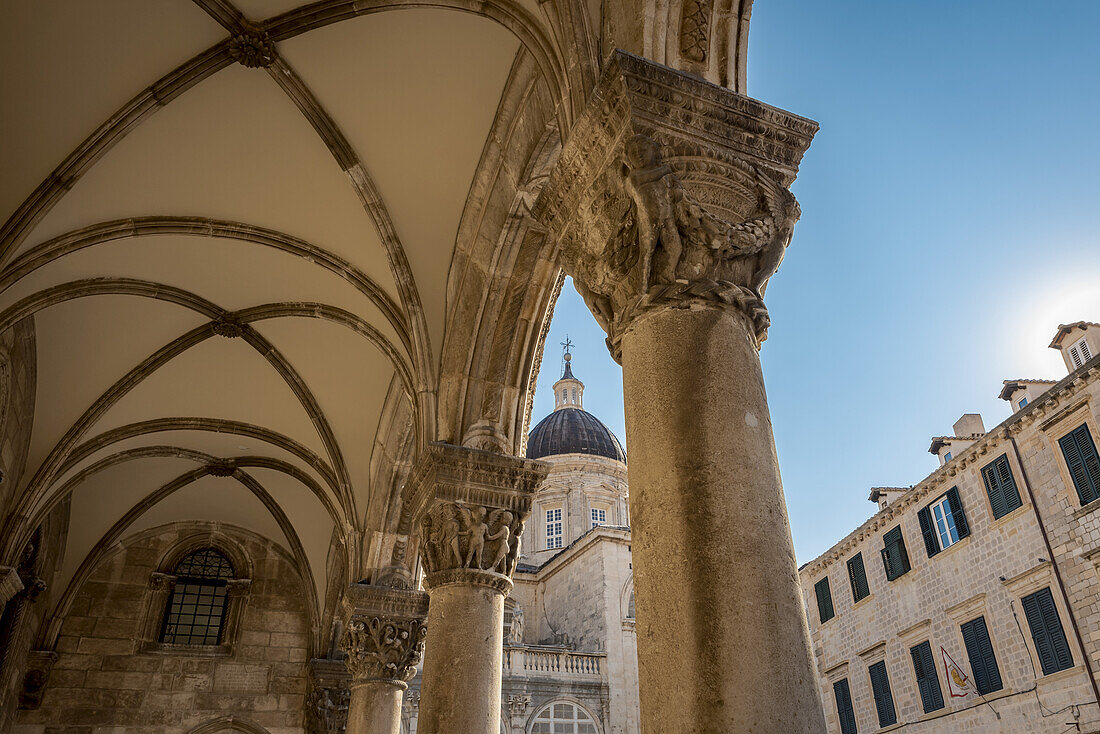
{"x":554,"y":662}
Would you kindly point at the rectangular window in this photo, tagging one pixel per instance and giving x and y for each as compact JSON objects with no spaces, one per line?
{"x":1022,"y":403}
{"x":947,"y":457}
{"x":599,"y":516}
{"x":1079,"y":452}
{"x":943,"y":523}
{"x":824,"y":600}
{"x":1046,"y":632}
{"x":894,"y":556}
{"x":844,"y":707}
{"x":884,"y":699}
{"x":857,"y":575}
{"x":983,"y":663}
{"x":1004,"y":497}
{"x":927,"y":682}
{"x":553,"y":528}
{"x":1080,"y":353}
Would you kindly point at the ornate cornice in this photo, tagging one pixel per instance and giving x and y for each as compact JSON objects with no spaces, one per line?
{"x":460,"y":474}
{"x":1049,"y":403}
{"x":672,"y":191}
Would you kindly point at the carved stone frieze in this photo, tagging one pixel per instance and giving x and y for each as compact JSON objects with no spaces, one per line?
{"x":471,"y":507}
{"x":672,"y":192}
{"x":384,"y":632}
{"x":328,"y":709}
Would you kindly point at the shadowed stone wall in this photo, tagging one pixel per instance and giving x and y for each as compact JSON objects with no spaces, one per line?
{"x":105,"y":679}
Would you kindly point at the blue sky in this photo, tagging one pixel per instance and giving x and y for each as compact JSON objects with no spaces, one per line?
{"x":951,"y":220}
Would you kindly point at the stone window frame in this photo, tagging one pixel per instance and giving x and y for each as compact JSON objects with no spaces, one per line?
{"x":544,"y":522}
{"x":162,"y":583}
{"x":1056,"y":429}
{"x":539,"y":708}
{"x":1035,"y":578}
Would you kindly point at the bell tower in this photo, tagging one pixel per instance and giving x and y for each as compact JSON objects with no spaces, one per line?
{"x":568,"y":391}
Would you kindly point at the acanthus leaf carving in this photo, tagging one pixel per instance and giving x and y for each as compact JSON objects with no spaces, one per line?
{"x":383,"y":647}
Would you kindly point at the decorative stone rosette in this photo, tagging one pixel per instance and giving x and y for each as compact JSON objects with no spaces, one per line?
{"x":471,"y":506}
{"x":383,"y":648}
{"x":672,"y":192}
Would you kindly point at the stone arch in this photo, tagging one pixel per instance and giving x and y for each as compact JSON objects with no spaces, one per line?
{"x":572,"y":701}
{"x":229,"y":724}
{"x":626,"y":598}
{"x":208,"y":538}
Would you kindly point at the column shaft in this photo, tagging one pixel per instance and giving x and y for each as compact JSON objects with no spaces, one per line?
{"x":462,"y":670}
{"x":715,"y":578}
{"x":375,"y":707}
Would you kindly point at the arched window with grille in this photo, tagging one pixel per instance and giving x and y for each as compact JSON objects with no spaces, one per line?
{"x":563,"y":717}
{"x":196,"y":610}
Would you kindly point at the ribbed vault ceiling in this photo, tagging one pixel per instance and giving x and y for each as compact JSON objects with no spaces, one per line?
{"x":231,"y":263}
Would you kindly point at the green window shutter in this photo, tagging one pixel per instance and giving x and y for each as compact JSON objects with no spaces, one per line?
{"x":884,"y":699}
{"x":1083,"y":463}
{"x":1046,"y":632}
{"x":931,"y":545}
{"x":983,"y":663}
{"x":844,"y":710}
{"x":824,"y":600}
{"x":857,"y":575}
{"x":927,"y":682}
{"x":1004,"y":497}
{"x":957,"y":513}
{"x":894,"y":556}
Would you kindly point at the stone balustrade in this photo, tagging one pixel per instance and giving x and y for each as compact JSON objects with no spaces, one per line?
{"x":535,"y":661}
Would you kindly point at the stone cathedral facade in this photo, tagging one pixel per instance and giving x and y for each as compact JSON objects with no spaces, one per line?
{"x":968,"y":602}
{"x":570,"y":661}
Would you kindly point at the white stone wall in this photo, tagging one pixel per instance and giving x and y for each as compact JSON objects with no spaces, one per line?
{"x":985,"y":574}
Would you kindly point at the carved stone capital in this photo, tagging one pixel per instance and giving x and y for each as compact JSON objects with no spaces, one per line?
{"x":238,"y":587}
{"x":384,"y":632}
{"x":10,"y":583}
{"x":673,"y":193}
{"x":39,"y":665}
{"x":517,"y":704}
{"x":329,"y":697}
{"x":471,"y":506}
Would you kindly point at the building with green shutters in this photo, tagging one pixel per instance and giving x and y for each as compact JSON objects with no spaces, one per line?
{"x":971,"y":601}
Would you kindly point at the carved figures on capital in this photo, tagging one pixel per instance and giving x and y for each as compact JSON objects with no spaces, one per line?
{"x":669,"y":248}
{"x":383,"y":648}
{"x":328,"y":707}
{"x":462,"y":536}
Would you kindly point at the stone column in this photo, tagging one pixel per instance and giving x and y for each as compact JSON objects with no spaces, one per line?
{"x":471,"y":506}
{"x":384,"y":639}
{"x":671,"y":208}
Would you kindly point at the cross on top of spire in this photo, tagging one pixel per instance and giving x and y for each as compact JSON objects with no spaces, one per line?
{"x":567,"y":390}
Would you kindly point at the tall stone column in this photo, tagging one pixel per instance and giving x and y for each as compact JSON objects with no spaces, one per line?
{"x":471,"y":506}
{"x":384,"y":639}
{"x":671,"y":208}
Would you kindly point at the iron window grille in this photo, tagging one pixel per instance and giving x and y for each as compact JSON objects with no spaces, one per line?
{"x":196,"y":609}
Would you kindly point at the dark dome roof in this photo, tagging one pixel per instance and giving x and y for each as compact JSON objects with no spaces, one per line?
{"x":573,"y":431}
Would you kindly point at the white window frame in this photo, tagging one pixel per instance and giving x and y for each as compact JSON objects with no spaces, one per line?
{"x":1080,"y":353}
{"x":943,"y":523}
{"x":547,"y":719}
{"x":554,"y":527}
{"x":598,"y":516}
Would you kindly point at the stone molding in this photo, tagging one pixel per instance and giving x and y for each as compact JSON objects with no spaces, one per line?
{"x":39,"y":665}
{"x":10,"y":583}
{"x":471,"y":507}
{"x":384,"y":633}
{"x":672,"y":192}
{"x":1050,"y":403}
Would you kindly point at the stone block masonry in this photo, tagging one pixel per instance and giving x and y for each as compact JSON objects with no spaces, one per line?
{"x":109,"y":678}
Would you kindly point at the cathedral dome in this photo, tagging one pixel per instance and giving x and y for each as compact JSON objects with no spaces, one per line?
{"x":571,"y":429}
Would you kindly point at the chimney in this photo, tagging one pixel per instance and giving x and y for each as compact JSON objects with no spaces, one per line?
{"x":969,"y":425}
{"x":883,"y":496}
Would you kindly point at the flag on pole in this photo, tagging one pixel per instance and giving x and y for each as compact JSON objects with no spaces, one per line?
{"x":958,"y":682}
